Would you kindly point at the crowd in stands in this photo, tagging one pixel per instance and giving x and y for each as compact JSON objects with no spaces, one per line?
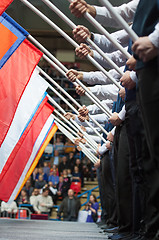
{"x":52,"y":179}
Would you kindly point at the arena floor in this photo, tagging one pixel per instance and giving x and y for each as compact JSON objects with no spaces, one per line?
{"x":11,"y":229}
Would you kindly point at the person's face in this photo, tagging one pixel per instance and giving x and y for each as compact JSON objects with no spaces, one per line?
{"x":64,"y":159}
{"x":60,"y":179}
{"x":46,"y":193}
{"x":40,"y":178}
{"x":36,"y":192}
{"x":91,"y":199}
{"x":70,"y":193}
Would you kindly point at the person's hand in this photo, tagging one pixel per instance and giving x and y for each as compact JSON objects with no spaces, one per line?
{"x":97,"y":164}
{"x":81,"y":33}
{"x":131,"y":63}
{"x":83,"y":50}
{"x":83,"y":128}
{"x":69,"y":115}
{"x":110,"y":137}
{"x":59,"y":193}
{"x":127,"y":81}
{"x":122,"y":93}
{"x":83,"y":111}
{"x":115,"y":120}
{"x":42,"y":204}
{"x":83,"y":118}
{"x":79,"y":7}
{"x":73,"y":74}
{"x":38,"y":212}
{"x":144,"y":49}
{"x":79,"y":90}
{"x":80,"y":134}
{"x":108,"y":145}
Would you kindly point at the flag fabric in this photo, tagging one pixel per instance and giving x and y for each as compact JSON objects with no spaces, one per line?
{"x":31,"y":99}
{"x":11,"y":36}
{"x":44,"y":138}
{"x":4,"y":4}
{"x":23,"y":150}
{"x":14,"y":77}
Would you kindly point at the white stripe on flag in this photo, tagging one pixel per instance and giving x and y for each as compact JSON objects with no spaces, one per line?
{"x":30,"y":100}
{"x":35,"y":150}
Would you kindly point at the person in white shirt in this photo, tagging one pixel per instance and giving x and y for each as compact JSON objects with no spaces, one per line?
{"x":43,"y":203}
{"x":9,"y":209}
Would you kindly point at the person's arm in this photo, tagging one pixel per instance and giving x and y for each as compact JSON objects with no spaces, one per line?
{"x":105,"y":92}
{"x":35,"y":206}
{"x":127,"y":11}
{"x":49,"y":203}
{"x":94,"y":109}
{"x":154,"y":36}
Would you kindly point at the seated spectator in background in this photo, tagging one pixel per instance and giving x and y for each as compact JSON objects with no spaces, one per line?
{"x":28,"y":187}
{"x":71,"y":160}
{"x":92,"y":208}
{"x":40,"y":183}
{"x":33,"y":197}
{"x":70,"y":207}
{"x":56,"y":168}
{"x":55,"y":159}
{"x":46,"y":169}
{"x":64,"y":164}
{"x":43,"y":203}
{"x":9,"y":209}
{"x":23,"y":198}
{"x":69,"y":174}
{"x":69,"y":146}
{"x":66,"y":179}
{"x":59,"y":145}
{"x":80,"y":167}
{"x":76,"y":176}
{"x":34,"y":175}
{"x":53,"y":177}
{"x":89,"y":171}
{"x":40,"y":172}
{"x":62,"y":188}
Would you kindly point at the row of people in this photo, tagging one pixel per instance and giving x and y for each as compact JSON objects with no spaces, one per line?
{"x":128,"y":165}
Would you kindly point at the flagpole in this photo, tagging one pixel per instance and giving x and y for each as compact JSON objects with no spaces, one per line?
{"x":103,"y":31}
{"x":88,"y":40}
{"x":60,"y":31}
{"x":70,"y":136}
{"x":119,"y":19}
{"x":70,"y":130}
{"x":75,"y":102}
{"x":62,"y":69}
{"x":94,"y":144}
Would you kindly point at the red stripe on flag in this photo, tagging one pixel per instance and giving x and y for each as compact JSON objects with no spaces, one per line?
{"x":4,"y":4}
{"x":22,"y":151}
{"x":14,"y":77}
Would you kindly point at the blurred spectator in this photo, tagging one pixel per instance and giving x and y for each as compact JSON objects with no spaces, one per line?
{"x":76,"y":176}
{"x":89,"y":171}
{"x":34,"y":174}
{"x":59,"y":145}
{"x":23,"y":198}
{"x":55,"y":159}
{"x":56,"y":168}
{"x":52,"y":191}
{"x":70,"y":207}
{"x":28,"y":187}
{"x":62,"y":188}
{"x":40,"y":172}
{"x":64,"y":164}
{"x":33,"y":197}
{"x":46,"y":169}
{"x":40,"y":183}
{"x":43,"y":203}
{"x":66,"y":179}
{"x":69,"y":146}
{"x":9,"y":209}
{"x":71,"y":160}
{"x":53,"y":177}
{"x":80,"y":167}
{"x":92,"y":208}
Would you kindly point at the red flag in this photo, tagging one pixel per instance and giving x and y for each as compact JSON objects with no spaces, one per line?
{"x":22,"y":151}
{"x":4,"y":4}
{"x":14,"y":77}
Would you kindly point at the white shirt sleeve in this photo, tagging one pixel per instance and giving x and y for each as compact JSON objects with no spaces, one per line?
{"x":154,"y":36}
{"x":107,"y":46}
{"x":103,"y":149}
{"x":127,"y":11}
{"x":117,"y":57}
{"x":122,"y":113}
{"x":105,"y":91}
{"x":133,"y":76}
{"x":90,"y":130}
{"x":100,"y":118}
{"x":98,"y":77}
{"x":94,"y":109}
